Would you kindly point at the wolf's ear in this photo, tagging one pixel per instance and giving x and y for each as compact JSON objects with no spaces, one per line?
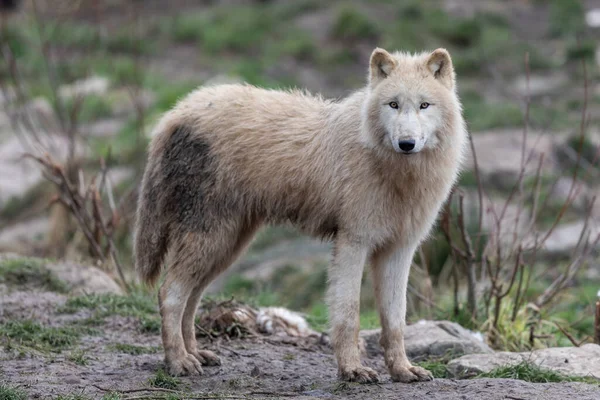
{"x":381,"y":65}
{"x":440,"y":65}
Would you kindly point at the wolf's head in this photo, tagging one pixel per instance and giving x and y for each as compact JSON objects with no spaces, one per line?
{"x":411,"y":102}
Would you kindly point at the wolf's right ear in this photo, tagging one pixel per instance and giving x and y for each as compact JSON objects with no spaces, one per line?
{"x":381,"y":65}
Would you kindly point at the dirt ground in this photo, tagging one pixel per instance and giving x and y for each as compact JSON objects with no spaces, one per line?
{"x":265,"y":367}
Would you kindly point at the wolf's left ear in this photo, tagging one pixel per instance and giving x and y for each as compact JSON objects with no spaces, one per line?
{"x":381,"y":65}
{"x":440,"y":65}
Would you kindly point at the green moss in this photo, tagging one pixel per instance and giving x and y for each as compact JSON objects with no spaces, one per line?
{"x":436,"y":367}
{"x":581,"y":50}
{"x":351,"y":24}
{"x":79,"y":357}
{"x":133,"y":349}
{"x":566,"y":17}
{"x":39,"y":337}
{"x":112,"y":396}
{"x":149,"y":325}
{"x":530,"y":372}
{"x":30,"y":272}
{"x":162,"y":380}
{"x":273,"y":235}
{"x":89,"y":108}
{"x":135,"y":304}
{"x":11,"y":393}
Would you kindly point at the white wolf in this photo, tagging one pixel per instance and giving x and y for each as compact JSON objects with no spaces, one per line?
{"x":369,"y":172}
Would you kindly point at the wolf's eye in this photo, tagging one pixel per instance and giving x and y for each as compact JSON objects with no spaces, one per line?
{"x":393,"y":104}
{"x":424,"y":105}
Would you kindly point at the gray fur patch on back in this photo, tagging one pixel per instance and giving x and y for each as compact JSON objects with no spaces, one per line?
{"x":189,"y":174}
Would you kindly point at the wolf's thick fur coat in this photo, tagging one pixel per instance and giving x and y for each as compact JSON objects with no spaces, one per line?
{"x":229,"y":159}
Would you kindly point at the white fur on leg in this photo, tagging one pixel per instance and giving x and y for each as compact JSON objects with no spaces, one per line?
{"x":391,"y":279}
{"x":343,"y":297}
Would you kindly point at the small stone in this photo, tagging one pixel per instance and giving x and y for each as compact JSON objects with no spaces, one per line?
{"x":430,"y":339}
{"x":581,"y":361}
{"x":255,"y":372}
{"x":72,"y":380}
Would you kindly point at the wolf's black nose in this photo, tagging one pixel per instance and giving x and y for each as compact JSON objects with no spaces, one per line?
{"x":406,"y":145}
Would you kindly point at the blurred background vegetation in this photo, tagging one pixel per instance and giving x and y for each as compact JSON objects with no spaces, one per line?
{"x":85,"y":81}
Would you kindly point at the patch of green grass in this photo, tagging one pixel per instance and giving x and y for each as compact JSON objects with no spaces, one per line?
{"x":351,"y":24}
{"x":39,"y":337}
{"x":317,"y":317}
{"x":79,"y":357}
{"x":273,"y":235}
{"x":223,"y":29}
{"x":168,"y":95}
{"x":289,"y":9}
{"x":133,"y":349}
{"x":481,"y":115}
{"x":126,"y":41}
{"x":72,"y":396}
{"x":135,"y":304}
{"x":298,"y":44}
{"x":530,"y":372}
{"x":30,"y":272}
{"x":369,"y":319}
{"x":90,"y":108}
{"x":566,"y":17}
{"x":163,"y":380}
{"x":436,"y":367}
{"x":467,"y":179}
{"x":581,"y":50}
{"x":11,"y":393}
{"x":112,"y":396}
{"x":149,"y":324}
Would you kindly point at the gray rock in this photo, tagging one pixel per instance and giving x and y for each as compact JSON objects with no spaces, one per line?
{"x":592,"y":18}
{"x":84,"y":279}
{"x":564,"y":238}
{"x":540,"y":85}
{"x":81,"y":279}
{"x":499,"y":152}
{"x":427,"y":339}
{"x":93,"y":85}
{"x":581,"y":361}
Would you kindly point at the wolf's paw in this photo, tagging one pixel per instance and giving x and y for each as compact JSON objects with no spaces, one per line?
{"x":359,"y":374}
{"x":410,"y":374}
{"x":207,"y":357}
{"x":186,"y":365}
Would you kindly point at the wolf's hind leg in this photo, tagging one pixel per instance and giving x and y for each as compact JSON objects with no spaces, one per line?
{"x":173,"y":296}
{"x":228,"y":253}
{"x":343,"y":297}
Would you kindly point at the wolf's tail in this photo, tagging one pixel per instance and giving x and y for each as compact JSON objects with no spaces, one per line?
{"x":151,"y":230}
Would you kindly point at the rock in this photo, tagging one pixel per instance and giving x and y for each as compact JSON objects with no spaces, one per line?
{"x":80,"y":279}
{"x":84,"y":279}
{"x":104,"y":128}
{"x":564,"y":237}
{"x":21,"y":236}
{"x":582,"y":194}
{"x":93,"y":85}
{"x":19,"y":175}
{"x":592,"y":18}
{"x":125,"y":103}
{"x":540,"y":85}
{"x":499,"y":153}
{"x":581,"y":361}
{"x":515,"y":220}
{"x":431,"y":339}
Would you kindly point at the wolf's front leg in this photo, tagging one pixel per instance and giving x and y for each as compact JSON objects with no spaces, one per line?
{"x":343,"y":297}
{"x":390,"y":275}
